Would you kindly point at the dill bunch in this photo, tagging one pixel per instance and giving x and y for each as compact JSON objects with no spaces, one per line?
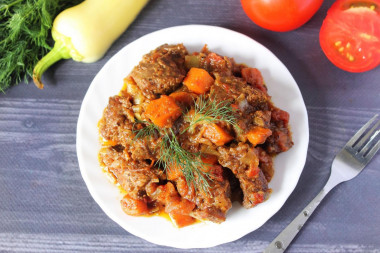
{"x":25,"y":36}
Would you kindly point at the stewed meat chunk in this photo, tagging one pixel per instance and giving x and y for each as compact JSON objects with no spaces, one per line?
{"x":243,"y":160}
{"x":161,"y":71}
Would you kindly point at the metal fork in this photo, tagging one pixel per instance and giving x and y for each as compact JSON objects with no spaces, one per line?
{"x":348,"y":163}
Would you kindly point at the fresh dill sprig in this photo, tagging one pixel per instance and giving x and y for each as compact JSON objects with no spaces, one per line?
{"x":211,"y":111}
{"x":148,"y":130}
{"x":25,"y":36}
{"x":173,"y":154}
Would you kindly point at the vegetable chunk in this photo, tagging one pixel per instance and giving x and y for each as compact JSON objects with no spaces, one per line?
{"x":198,"y":80}
{"x":217,"y":135}
{"x":163,"y":111}
{"x":184,"y":99}
{"x":134,"y":206}
{"x":258,"y":135}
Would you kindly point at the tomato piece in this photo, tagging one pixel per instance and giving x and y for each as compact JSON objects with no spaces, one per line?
{"x":253,"y":172}
{"x":280,"y":15}
{"x":350,"y":34}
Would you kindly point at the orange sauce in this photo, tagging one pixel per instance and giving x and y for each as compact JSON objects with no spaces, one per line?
{"x":124,"y":87}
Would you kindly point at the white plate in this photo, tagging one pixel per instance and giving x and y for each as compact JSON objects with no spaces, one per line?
{"x":240,"y":221}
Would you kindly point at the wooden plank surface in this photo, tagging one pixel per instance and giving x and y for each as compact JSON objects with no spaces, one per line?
{"x":46,"y":207}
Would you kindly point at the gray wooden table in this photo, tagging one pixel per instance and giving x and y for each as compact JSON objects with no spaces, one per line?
{"x":46,"y":207}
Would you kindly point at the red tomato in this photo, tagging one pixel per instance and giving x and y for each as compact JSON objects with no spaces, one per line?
{"x":350,"y":34}
{"x":280,"y":15}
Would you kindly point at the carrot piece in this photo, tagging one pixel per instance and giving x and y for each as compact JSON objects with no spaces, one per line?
{"x":166,"y":193}
{"x":182,"y":220}
{"x":209,"y":159}
{"x":174,"y":172}
{"x":179,"y":205}
{"x":198,"y":80}
{"x":217,"y":135}
{"x":134,"y":206}
{"x":183,"y":98}
{"x":178,"y":208}
{"x":186,"y":191}
{"x":109,"y":143}
{"x":163,"y":111}
{"x":258,"y":135}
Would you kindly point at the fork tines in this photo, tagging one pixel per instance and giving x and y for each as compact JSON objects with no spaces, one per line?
{"x":366,"y":142}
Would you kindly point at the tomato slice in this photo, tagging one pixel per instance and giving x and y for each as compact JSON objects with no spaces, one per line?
{"x":350,"y":35}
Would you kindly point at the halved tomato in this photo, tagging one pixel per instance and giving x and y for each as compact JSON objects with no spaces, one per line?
{"x":350,"y":34}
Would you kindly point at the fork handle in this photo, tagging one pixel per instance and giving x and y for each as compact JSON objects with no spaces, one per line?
{"x":282,"y":241}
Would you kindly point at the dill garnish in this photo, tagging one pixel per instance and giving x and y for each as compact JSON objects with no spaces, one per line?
{"x":173,"y":154}
{"x":25,"y":36}
{"x":211,"y":111}
{"x":149,"y":129}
